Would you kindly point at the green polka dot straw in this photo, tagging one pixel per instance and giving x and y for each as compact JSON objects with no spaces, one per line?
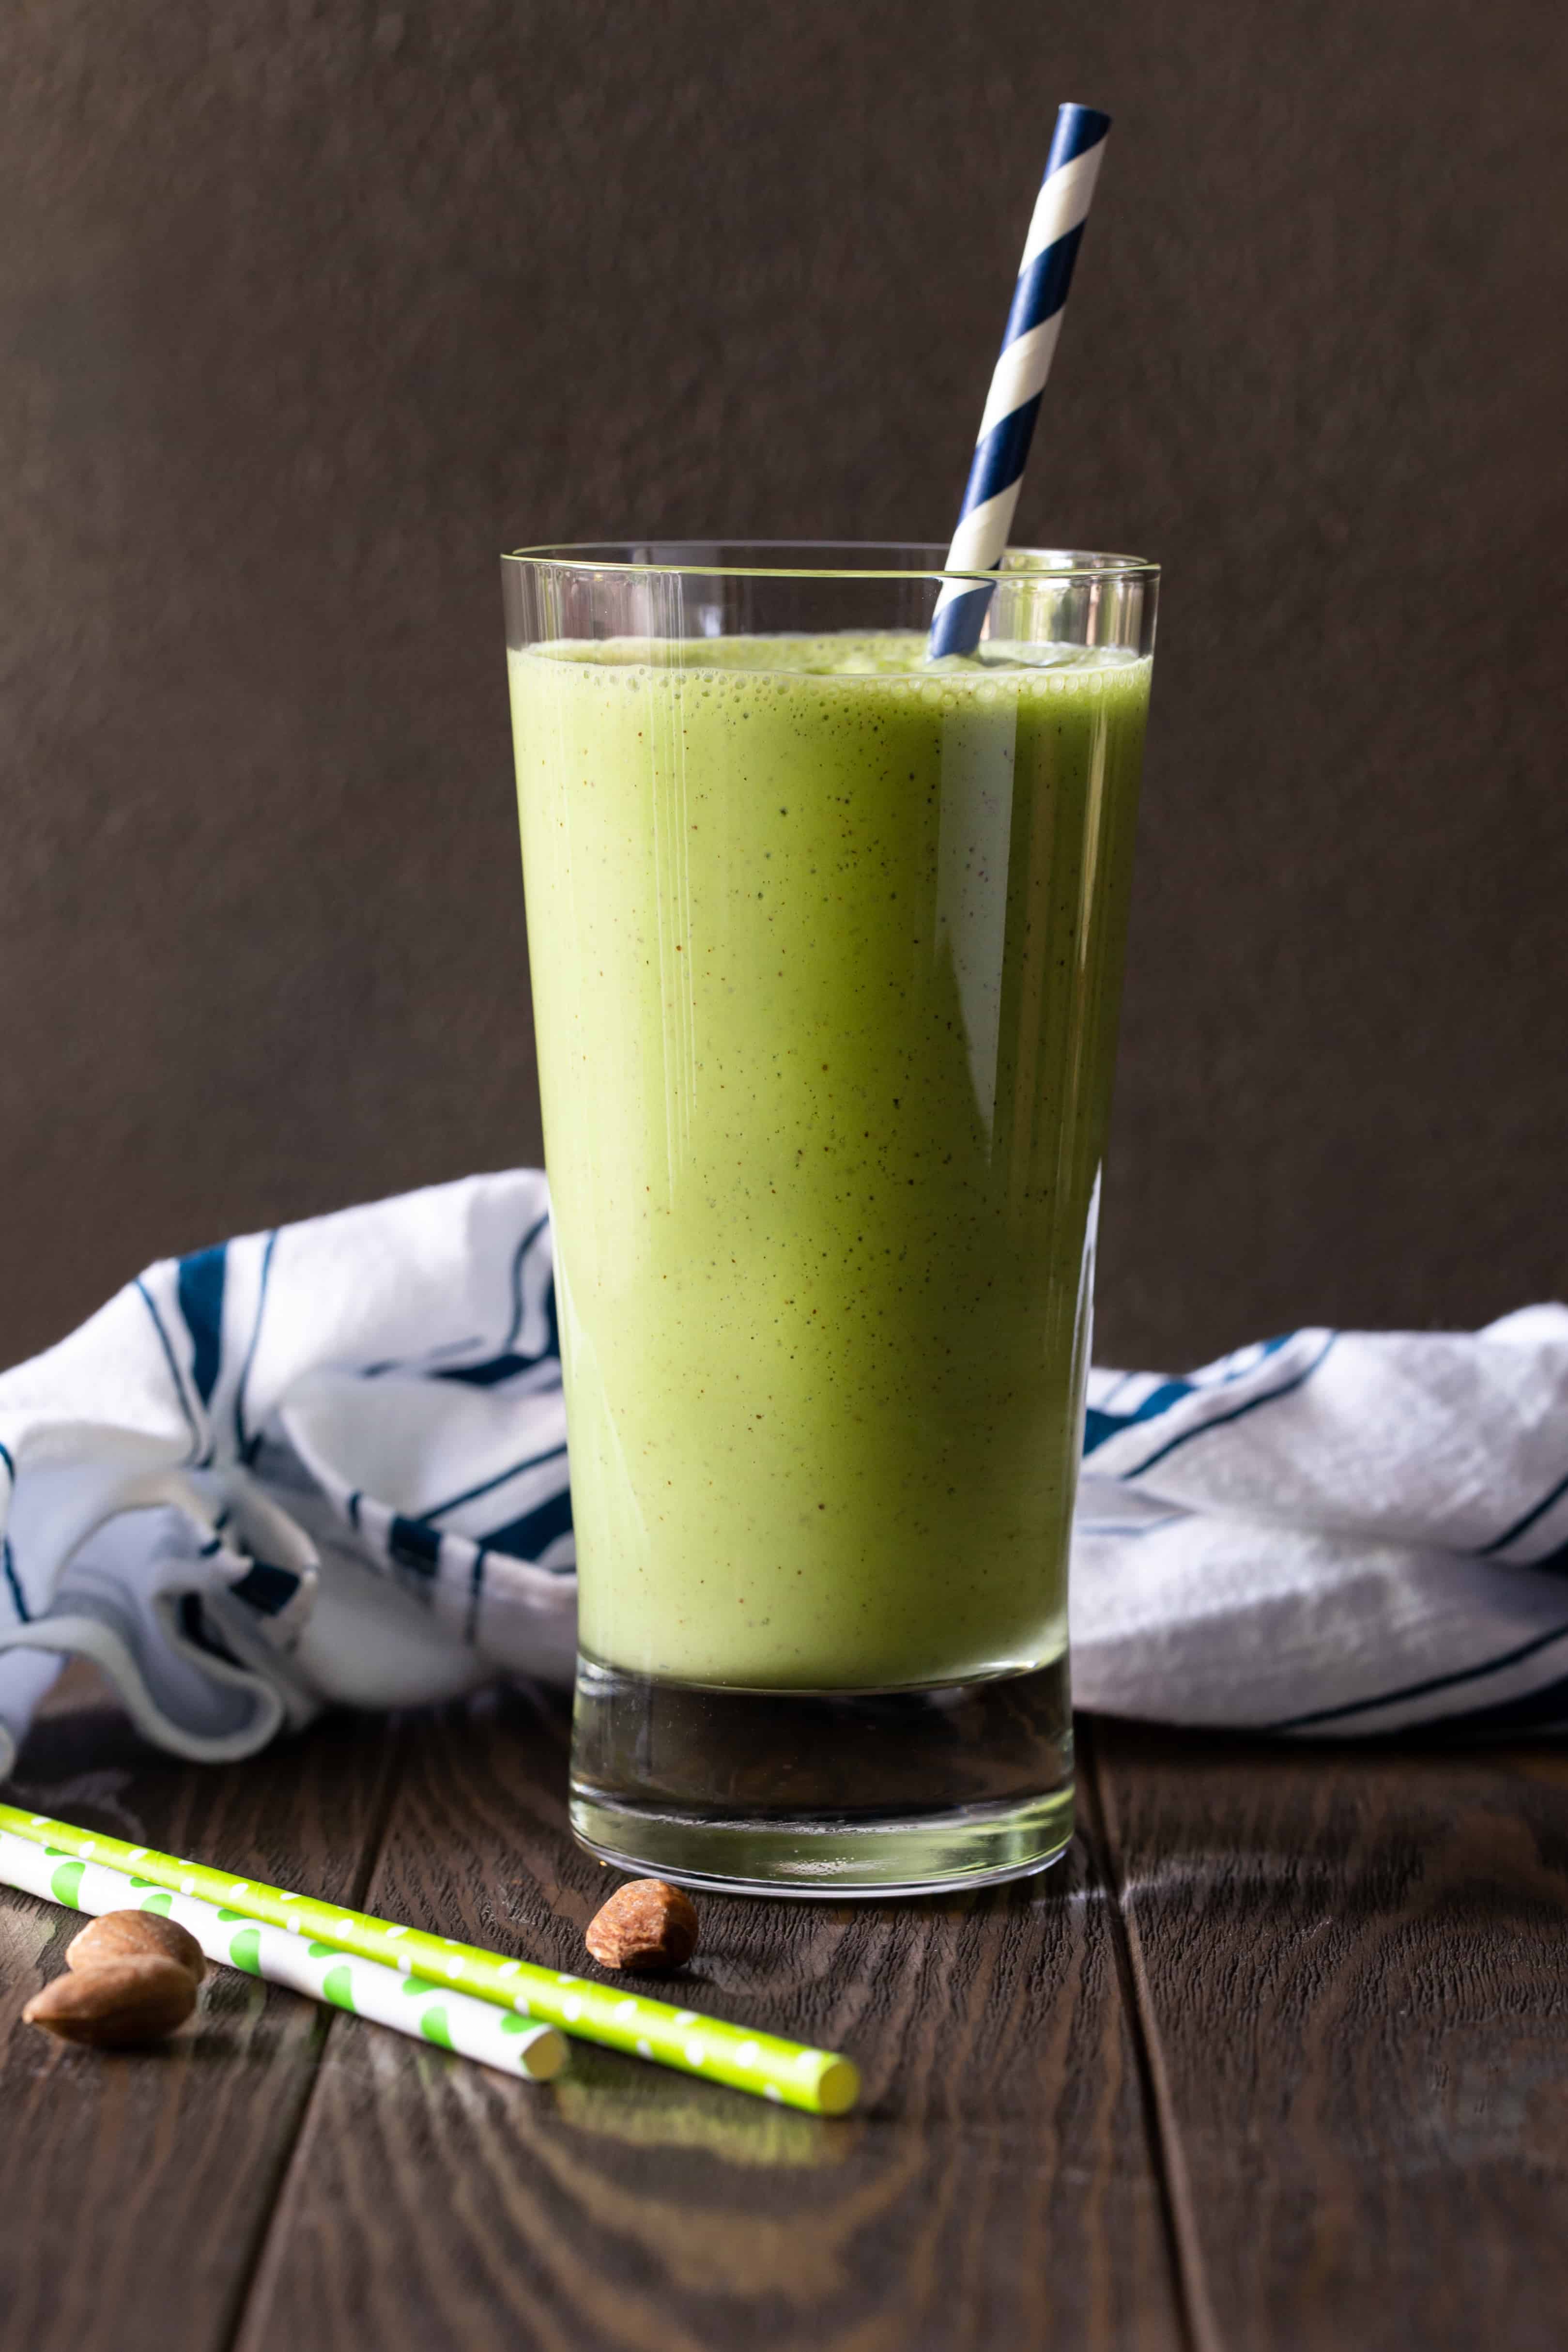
{"x":322,"y":1971}
{"x":332,"y":1939}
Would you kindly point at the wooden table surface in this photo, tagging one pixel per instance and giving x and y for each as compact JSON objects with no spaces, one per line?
{"x":1276,"y":2058}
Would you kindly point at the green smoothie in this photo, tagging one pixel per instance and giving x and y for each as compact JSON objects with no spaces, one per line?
{"x":825,"y":944}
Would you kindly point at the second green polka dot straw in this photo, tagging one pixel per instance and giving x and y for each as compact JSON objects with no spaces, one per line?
{"x":820,"y":2081}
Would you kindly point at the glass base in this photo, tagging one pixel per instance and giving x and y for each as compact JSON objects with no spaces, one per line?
{"x":824,"y":1793}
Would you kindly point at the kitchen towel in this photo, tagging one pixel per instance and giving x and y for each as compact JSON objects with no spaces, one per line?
{"x":327,"y":1465}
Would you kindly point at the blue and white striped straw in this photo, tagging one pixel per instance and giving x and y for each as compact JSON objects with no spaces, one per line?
{"x":1002,"y":446}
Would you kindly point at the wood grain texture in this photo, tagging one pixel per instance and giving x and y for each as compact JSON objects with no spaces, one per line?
{"x":1354,"y":1965}
{"x":996,"y":2190}
{"x":135,"y":2186}
{"x":1307,"y":2086}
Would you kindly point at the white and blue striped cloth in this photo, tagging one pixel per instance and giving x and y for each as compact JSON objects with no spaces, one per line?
{"x":328,"y":1465}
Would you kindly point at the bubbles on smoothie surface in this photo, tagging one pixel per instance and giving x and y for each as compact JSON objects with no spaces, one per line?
{"x":890,"y":654}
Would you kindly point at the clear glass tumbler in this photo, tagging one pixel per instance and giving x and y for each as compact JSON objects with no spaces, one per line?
{"x":826,"y":942}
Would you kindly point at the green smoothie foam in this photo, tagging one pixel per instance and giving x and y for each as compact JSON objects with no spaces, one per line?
{"x":825,"y":944}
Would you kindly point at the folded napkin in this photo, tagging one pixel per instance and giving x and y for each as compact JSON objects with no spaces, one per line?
{"x":327,"y":1465}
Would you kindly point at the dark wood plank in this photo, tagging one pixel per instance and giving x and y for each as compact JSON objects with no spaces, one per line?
{"x":135,"y":2187}
{"x":1354,"y":1965}
{"x":998,"y":2191}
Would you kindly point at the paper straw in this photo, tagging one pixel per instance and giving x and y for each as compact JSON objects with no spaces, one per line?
{"x":819,"y":2081}
{"x":1002,"y":446}
{"x":323,"y":1972}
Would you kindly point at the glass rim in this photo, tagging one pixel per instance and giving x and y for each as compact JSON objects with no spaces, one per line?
{"x":662,"y":557}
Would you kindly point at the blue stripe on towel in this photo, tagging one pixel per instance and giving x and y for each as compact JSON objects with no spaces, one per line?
{"x":245,"y":1445}
{"x":1522,"y":1527}
{"x":1543,"y":1709}
{"x":534,"y":1533}
{"x":1098,"y":1425}
{"x":1238,"y":1412}
{"x":419,"y":1363}
{"x":13,"y":1581}
{"x":491,"y":1375}
{"x":147,"y":1300}
{"x":509,"y":1360}
{"x":519,"y":1260}
{"x":200,"y":1280}
{"x":506,"y":1367}
{"x":196,"y":1631}
{"x":439,"y":1510}
{"x":1101,"y":1422}
{"x":475,"y":1594}
{"x":413,"y":1545}
{"x":1419,"y":1690}
{"x":266,"y":1588}
{"x":1134,"y":1531}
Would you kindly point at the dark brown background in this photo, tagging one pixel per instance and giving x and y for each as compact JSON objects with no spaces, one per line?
{"x":307,"y":309}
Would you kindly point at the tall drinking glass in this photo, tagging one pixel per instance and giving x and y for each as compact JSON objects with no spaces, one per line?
{"x":826,"y":942}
